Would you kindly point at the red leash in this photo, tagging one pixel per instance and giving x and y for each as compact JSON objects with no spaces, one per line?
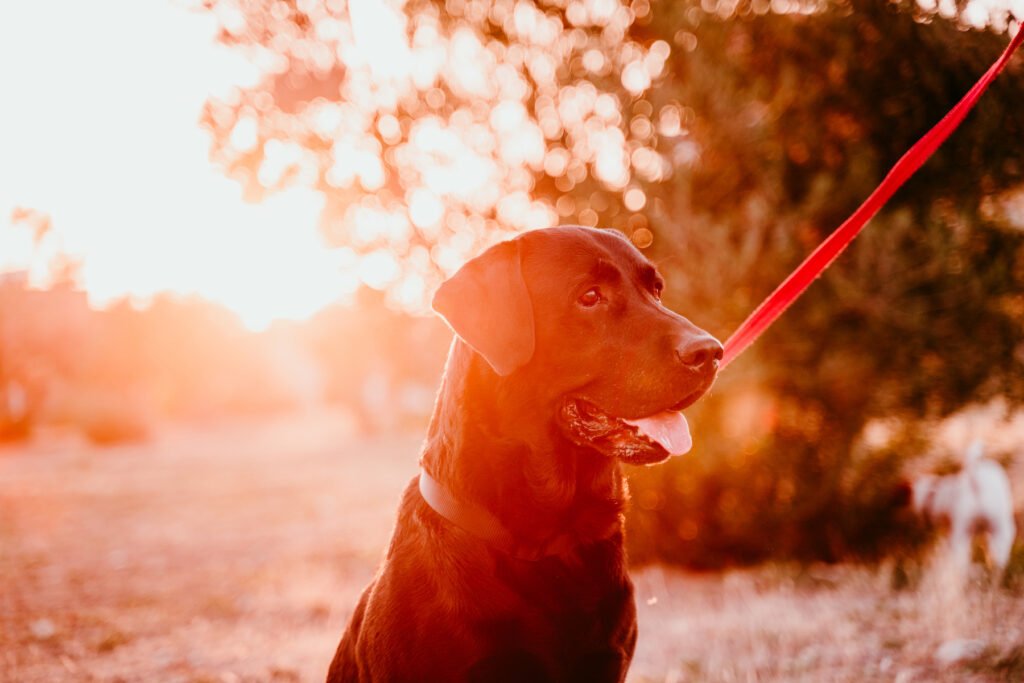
{"x":822,"y":257}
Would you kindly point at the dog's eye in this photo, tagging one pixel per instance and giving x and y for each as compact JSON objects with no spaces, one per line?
{"x":591,"y":297}
{"x":659,"y":287}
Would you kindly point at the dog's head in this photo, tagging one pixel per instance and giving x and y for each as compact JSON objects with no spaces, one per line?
{"x":575,"y":314}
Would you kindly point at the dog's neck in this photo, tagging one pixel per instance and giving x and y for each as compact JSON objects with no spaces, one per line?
{"x":493,"y":442}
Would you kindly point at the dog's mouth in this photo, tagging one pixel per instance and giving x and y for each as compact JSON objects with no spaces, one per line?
{"x":637,"y":441}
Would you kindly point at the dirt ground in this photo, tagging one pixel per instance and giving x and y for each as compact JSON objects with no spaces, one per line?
{"x":235,"y":552}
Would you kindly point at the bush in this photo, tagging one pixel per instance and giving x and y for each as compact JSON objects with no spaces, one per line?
{"x":102,"y":416}
{"x":772,"y":494}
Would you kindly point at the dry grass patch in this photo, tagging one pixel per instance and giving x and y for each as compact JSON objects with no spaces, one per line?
{"x":834,"y":623}
{"x":236,"y":552}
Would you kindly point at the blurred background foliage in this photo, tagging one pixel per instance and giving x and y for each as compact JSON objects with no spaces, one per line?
{"x":731,"y":137}
{"x":726,"y":137}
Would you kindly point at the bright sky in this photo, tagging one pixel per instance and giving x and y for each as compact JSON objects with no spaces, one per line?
{"x":99,"y":129}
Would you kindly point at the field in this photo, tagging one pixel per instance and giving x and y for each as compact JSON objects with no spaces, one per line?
{"x":235,"y":552}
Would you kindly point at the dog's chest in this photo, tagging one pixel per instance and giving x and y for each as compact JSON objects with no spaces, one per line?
{"x":565,"y":614}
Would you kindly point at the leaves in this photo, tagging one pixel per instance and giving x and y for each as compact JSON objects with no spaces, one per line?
{"x":738,"y":134}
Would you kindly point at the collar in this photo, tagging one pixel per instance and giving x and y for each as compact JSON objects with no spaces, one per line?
{"x":481,"y":523}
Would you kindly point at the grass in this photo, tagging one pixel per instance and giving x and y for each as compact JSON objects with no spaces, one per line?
{"x":235,"y":552}
{"x":836,"y":623}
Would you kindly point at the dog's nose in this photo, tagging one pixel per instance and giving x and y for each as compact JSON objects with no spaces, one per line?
{"x":699,"y":352}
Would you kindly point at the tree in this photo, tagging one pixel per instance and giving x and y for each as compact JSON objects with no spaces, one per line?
{"x":436,"y":131}
{"x":885,"y":333}
{"x":733,"y":134}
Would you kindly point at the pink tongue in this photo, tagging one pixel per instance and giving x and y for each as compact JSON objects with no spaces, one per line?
{"x":668,"y":429}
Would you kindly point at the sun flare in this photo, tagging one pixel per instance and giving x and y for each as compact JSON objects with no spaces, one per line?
{"x":108,"y":146}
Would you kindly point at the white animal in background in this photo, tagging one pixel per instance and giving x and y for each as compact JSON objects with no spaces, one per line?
{"x":975,"y":500}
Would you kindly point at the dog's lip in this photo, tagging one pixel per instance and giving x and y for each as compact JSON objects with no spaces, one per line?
{"x":631,"y":426}
{"x":688,"y":401}
{"x":588,"y":424}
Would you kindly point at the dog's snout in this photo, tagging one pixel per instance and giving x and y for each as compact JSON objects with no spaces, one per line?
{"x":700,"y":352}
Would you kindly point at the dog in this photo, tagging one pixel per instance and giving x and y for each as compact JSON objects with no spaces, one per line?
{"x":507,"y":561}
{"x":977,"y":499}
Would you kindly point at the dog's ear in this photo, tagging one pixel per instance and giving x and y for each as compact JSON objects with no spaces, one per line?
{"x":487,"y":305}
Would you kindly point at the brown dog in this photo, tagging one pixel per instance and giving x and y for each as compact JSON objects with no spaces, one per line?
{"x":507,"y":561}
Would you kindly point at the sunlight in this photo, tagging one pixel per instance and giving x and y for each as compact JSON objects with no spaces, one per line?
{"x":126,"y":179}
{"x":271,"y":265}
{"x":157,"y":217}
{"x":380,"y":40}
